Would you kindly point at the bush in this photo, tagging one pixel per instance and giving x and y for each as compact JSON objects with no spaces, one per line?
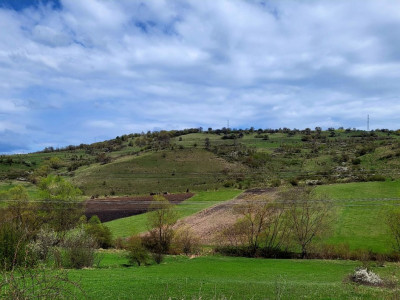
{"x":338,"y":251}
{"x":38,"y":283}
{"x":120,"y":243}
{"x":13,"y":246}
{"x":100,"y":232}
{"x":185,"y":241}
{"x":45,"y":240}
{"x":376,"y":178}
{"x":78,"y":250}
{"x":246,"y":251}
{"x":137,"y":253}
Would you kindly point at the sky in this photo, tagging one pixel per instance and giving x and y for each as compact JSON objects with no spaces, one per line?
{"x":75,"y":72}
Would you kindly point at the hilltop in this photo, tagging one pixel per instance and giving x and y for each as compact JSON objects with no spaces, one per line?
{"x":193,"y":159}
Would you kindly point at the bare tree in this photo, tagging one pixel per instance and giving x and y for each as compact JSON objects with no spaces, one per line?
{"x":263,"y":223}
{"x":309,"y":214}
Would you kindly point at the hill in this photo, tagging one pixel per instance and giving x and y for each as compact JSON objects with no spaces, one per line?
{"x":175,"y":161}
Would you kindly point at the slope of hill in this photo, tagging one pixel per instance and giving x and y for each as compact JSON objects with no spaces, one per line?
{"x":156,"y":172}
{"x":175,"y":161}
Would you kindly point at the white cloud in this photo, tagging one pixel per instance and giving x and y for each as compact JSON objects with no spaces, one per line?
{"x":135,"y":65}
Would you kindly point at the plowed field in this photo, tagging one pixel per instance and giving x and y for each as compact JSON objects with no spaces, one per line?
{"x":108,"y":209}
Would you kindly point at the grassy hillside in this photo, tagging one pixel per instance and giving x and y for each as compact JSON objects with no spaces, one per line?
{"x":162,"y":171}
{"x":228,"y":278}
{"x":133,"y":225}
{"x":9,"y":184}
{"x":361,"y":213}
{"x":264,"y":157}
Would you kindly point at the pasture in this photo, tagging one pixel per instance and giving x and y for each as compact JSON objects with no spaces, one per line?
{"x":217,"y":277}
{"x":361,"y":210}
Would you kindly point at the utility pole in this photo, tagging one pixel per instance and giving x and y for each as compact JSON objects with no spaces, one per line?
{"x":227,"y":124}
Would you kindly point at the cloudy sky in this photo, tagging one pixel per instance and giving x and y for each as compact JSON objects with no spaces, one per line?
{"x":83,"y":71}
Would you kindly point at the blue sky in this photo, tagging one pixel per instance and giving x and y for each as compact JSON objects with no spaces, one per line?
{"x":82,"y":71}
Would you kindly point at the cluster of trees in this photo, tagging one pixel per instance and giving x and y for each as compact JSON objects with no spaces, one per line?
{"x":279,"y":227}
{"x":53,"y":224}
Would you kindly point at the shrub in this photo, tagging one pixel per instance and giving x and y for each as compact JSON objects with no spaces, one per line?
{"x":137,"y":253}
{"x":78,"y":250}
{"x":100,"y":232}
{"x":24,"y":282}
{"x":120,"y":243}
{"x":13,"y":246}
{"x":376,"y":178}
{"x":45,"y":240}
{"x":158,"y":257}
{"x":185,"y":241}
{"x":246,"y":251}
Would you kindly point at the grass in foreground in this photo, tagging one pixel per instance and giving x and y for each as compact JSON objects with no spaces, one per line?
{"x":136,"y":224}
{"x":215,"y":277}
{"x":361,"y":213}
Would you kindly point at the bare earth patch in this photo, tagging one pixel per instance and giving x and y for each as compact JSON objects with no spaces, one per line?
{"x":210,"y":222}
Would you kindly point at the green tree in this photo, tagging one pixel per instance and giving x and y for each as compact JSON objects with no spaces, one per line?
{"x":100,"y":232}
{"x":20,"y":211}
{"x":137,"y":253}
{"x":61,"y":206}
{"x":160,"y":221}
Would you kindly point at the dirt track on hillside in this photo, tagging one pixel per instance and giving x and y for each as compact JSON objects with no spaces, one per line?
{"x":210,"y":222}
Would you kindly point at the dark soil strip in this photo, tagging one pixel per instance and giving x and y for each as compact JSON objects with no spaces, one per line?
{"x":108,"y":209}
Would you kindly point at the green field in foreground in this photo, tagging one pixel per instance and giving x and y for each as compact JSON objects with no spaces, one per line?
{"x":133,"y":225}
{"x":361,"y":210}
{"x":216,"y":277}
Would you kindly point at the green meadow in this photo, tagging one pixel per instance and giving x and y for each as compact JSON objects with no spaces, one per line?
{"x":136,"y":224}
{"x":360,"y":213}
{"x":216,"y":277}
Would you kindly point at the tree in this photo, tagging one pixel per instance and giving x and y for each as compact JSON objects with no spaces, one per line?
{"x":309,"y":215}
{"x":100,"y":232}
{"x":263,"y":224}
{"x":61,"y":207}
{"x":160,"y":222}
{"x":137,"y":253}
{"x":55,"y":162}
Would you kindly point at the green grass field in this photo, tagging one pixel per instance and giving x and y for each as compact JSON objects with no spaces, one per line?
{"x":216,"y":277}
{"x":133,"y":225}
{"x":361,"y":213}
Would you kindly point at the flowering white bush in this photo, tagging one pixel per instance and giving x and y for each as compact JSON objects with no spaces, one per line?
{"x":364,"y":276}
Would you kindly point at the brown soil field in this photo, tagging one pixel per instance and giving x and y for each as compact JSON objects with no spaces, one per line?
{"x":108,"y":209}
{"x":209,"y":223}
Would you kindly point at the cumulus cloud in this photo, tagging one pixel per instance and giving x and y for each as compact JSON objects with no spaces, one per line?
{"x":76,"y":71}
